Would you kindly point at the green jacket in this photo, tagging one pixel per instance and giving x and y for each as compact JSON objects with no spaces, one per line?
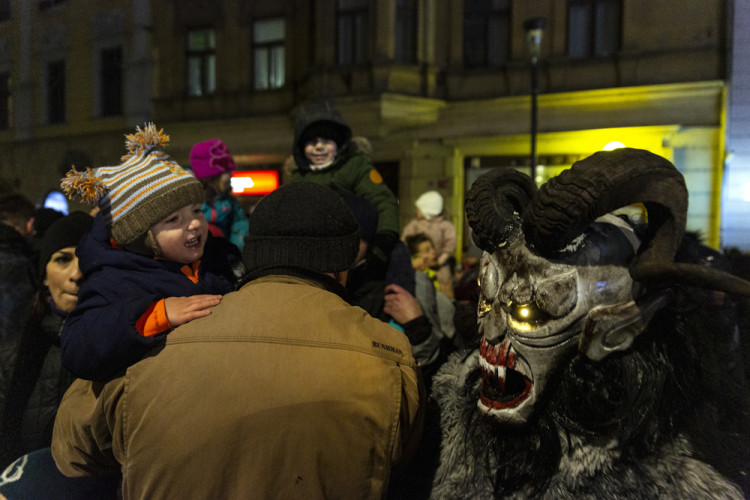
{"x":354,"y":174}
{"x":351,"y":173}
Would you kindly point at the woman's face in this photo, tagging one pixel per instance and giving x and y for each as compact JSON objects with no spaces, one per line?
{"x":63,"y":278}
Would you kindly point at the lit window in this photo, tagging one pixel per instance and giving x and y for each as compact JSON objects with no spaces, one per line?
{"x":593,"y":28}
{"x":486,"y":32}
{"x":111,"y":81}
{"x":353,"y":32}
{"x":268,"y":54}
{"x":56,"y":92}
{"x":406,"y":32}
{"x":6,"y":101}
{"x":201,"y":62}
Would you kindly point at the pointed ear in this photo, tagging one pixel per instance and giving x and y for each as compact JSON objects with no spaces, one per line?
{"x":609,"y":329}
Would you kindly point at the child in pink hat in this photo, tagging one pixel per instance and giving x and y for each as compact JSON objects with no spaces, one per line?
{"x":212,"y":165}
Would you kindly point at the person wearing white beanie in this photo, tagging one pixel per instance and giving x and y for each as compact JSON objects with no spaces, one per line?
{"x":430,"y":220}
{"x":430,"y":204}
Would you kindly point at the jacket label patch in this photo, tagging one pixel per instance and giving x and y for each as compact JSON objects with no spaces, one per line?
{"x":387,"y":347}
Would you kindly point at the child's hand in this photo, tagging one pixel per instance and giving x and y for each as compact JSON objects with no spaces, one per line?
{"x":180,"y":310}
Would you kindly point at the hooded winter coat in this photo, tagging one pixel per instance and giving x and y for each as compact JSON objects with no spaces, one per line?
{"x":38,"y":385}
{"x":352,"y":171}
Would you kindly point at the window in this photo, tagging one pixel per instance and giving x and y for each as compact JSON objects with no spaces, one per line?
{"x":6,"y":107}
{"x":56,"y":92}
{"x":353,"y":26}
{"x":593,"y":28}
{"x":406,"y":32}
{"x":45,"y":4}
{"x":486,"y":32}
{"x":4,"y":10}
{"x":110,"y":81}
{"x":201,"y":62}
{"x":268,"y":54}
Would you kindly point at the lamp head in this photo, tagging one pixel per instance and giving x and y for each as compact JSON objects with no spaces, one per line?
{"x":534,"y":28}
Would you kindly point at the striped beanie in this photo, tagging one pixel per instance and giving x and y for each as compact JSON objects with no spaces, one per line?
{"x":144,"y":189}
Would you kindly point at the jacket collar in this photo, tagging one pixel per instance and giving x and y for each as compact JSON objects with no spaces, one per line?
{"x":322,"y":280}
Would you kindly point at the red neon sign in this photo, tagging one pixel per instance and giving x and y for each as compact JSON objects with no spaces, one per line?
{"x":254,"y":182}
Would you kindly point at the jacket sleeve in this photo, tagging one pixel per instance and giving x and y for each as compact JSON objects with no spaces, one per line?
{"x":411,"y":417}
{"x":425,"y":343}
{"x":85,"y":428}
{"x":240,"y":226}
{"x":99,"y":338}
{"x":449,"y":244}
{"x":367,"y":183}
{"x":409,"y":230}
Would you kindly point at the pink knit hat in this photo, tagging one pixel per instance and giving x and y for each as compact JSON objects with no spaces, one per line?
{"x":211,"y":158}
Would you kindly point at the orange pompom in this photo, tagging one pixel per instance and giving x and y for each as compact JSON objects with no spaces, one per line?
{"x":144,"y":139}
{"x":84,"y":186}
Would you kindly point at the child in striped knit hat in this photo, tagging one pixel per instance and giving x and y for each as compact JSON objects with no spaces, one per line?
{"x":149,"y":263}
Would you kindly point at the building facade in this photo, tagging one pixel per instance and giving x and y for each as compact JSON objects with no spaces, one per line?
{"x":441,"y":88}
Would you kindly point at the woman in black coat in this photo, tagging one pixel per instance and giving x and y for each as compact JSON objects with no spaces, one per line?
{"x":37,"y":380}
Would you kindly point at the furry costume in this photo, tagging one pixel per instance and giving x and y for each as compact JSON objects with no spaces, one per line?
{"x":608,"y":363}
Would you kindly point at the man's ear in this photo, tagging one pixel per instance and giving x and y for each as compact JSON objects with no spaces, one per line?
{"x":341,"y":276}
{"x":30,"y":226}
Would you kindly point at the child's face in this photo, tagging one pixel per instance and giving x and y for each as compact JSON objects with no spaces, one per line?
{"x":320,"y":151}
{"x":426,"y":252}
{"x":223,"y":183}
{"x":181,"y":236}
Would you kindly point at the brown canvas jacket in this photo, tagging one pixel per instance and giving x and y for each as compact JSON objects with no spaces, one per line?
{"x":284,"y":391}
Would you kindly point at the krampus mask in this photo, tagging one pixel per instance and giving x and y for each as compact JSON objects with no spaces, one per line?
{"x":561,"y":274}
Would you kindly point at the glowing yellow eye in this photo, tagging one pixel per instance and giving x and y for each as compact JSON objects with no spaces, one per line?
{"x":529,"y":314}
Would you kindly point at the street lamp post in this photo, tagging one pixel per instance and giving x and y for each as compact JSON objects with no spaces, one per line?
{"x":534,"y":29}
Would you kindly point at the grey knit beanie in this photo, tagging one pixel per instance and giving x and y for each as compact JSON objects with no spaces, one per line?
{"x":302,"y":225}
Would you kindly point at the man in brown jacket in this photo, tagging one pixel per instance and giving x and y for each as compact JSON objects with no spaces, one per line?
{"x":283,"y":391}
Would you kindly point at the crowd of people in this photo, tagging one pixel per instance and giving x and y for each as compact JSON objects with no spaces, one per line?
{"x":168,"y":344}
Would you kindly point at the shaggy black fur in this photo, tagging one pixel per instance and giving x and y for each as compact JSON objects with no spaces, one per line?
{"x":683,"y":376}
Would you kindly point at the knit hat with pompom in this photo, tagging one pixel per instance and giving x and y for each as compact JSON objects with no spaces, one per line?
{"x":144,"y":189}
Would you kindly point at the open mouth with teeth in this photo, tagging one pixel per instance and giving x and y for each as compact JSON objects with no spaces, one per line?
{"x":503,"y":386}
{"x":193,"y":242}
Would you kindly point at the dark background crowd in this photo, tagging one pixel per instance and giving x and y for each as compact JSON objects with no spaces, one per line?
{"x":180,"y":291}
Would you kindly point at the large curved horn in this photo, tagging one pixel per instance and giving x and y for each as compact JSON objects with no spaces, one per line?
{"x":603,"y":182}
{"x":609,"y":180}
{"x":494,"y":205}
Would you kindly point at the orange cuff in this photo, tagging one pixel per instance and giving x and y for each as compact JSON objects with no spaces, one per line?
{"x":154,"y":321}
